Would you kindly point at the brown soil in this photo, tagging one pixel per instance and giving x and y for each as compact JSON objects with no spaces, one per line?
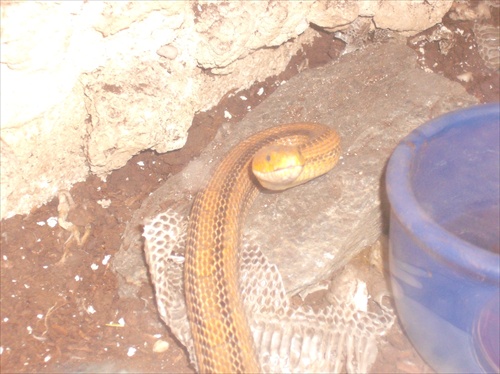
{"x":67,"y":316}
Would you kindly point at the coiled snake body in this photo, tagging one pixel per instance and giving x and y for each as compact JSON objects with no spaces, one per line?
{"x":222,"y":337}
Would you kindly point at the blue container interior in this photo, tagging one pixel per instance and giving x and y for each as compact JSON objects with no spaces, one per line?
{"x":456,"y":179}
{"x":443,"y":183}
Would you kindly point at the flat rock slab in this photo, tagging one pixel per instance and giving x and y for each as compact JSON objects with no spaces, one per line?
{"x":373,"y":98}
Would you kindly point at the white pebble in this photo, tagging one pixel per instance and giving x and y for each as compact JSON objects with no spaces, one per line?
{"x":104,"y":203}
{"x":52,"y":221}
{"x":131,"y":351}
{"x":168,"y":51}
{"x":106,"y":259}
{"x":465,"y":77}
{"x":160,"y":346}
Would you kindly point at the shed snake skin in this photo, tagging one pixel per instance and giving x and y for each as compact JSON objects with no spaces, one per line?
{"x":222,"y":338}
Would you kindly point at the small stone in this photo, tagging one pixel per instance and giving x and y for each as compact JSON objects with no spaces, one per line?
{"x":465,"y":77}
{"x":161,"y":346}
{"x":168,"y":51}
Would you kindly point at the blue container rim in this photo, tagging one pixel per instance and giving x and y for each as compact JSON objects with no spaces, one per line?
{"x":476,"y":261}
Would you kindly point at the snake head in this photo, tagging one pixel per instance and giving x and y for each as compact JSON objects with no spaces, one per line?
{"x":277,"y":167}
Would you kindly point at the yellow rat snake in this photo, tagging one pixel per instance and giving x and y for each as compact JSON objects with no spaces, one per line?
{"x":277,"y":158}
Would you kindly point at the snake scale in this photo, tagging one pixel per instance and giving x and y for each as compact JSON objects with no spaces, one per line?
{"x":222,"y":337}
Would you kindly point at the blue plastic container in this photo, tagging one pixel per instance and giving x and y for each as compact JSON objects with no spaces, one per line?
{"x":443,"y":184}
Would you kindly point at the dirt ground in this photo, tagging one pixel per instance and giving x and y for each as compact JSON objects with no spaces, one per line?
{"x":67,"y":316}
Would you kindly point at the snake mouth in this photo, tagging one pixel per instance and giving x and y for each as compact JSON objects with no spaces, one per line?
{"x":279,"y":179}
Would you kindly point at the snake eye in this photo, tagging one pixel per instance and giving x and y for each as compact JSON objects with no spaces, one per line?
{"x":268,"y":158}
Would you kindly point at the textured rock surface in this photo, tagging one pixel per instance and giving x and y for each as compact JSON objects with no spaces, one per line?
{"x":92,"y":83}
{"x":373,"y":97}
{"x":488,"y":43}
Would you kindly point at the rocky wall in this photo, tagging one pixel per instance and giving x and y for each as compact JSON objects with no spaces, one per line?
{"x":88,"y":84}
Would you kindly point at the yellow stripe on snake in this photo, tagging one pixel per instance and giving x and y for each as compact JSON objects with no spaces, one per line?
{"x":279,"y":158}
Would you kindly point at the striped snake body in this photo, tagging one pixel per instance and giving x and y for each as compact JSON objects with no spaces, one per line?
{"x":222,"y":337}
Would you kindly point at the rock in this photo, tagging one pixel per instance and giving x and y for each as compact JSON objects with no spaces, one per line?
{"x":373,"y":97}
{"x":104,"y":54}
